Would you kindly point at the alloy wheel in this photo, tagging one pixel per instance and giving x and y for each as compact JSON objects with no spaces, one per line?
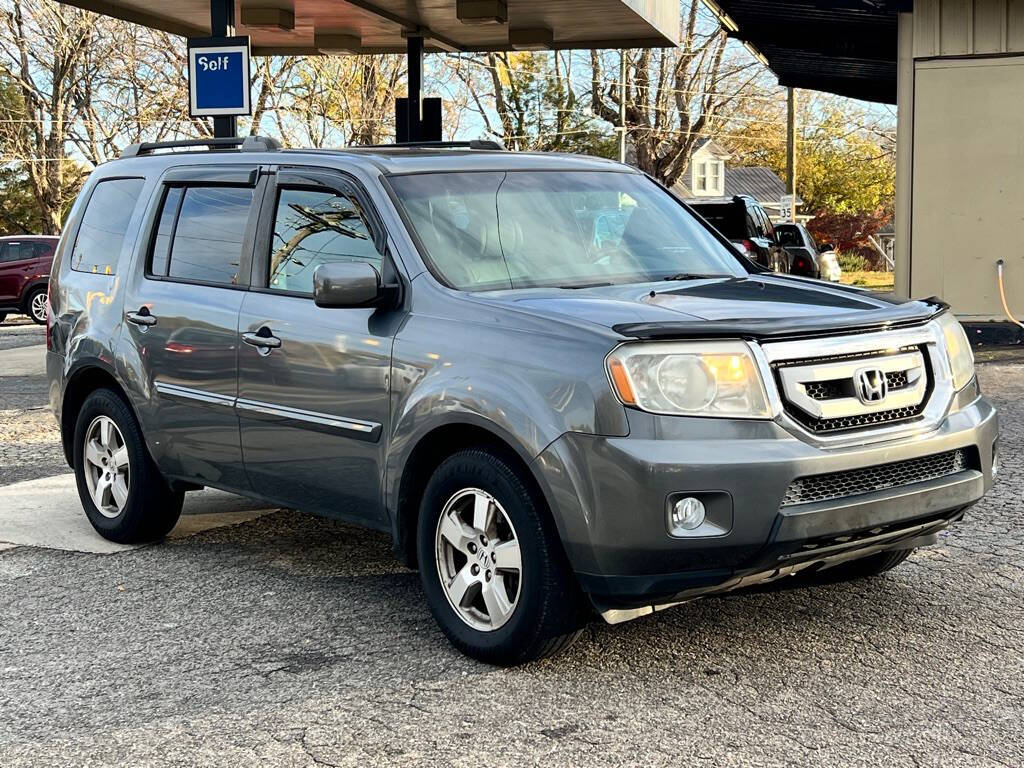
{"x":478,"y":559}
{"x":107,"y":467}
{"x":38,"y":307}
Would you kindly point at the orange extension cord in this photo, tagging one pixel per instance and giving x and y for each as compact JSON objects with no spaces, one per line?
{"x":1002,"y":295}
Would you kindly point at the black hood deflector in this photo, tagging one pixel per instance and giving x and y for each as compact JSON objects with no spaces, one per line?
{"x":898,"y":316}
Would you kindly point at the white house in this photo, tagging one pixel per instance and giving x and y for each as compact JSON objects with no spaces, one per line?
{"x":710,"y":177}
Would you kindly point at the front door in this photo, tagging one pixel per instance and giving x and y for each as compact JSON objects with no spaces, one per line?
{"x":181,"y":311}
{"x":313,"y":383}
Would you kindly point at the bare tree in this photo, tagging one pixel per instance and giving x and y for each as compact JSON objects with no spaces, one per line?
{"x":674,"y":97}
{"x":44,"y":49}
{"x":529,"y":101}
{"x":335,"y":100}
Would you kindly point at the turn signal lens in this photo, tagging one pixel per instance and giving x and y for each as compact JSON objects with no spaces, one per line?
{"x":621,"y":381}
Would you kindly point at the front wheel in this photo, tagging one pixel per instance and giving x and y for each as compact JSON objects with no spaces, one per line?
{"x":35,"y":305}
{"x":491,"y":564}
{"x":3,"y":316}
{"x":124,"y":495}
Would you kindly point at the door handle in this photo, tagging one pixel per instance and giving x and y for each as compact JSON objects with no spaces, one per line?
{"x":142,"y":318}
{"x":264,"y":340}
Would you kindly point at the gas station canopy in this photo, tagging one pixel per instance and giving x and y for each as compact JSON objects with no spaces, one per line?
{"x":309,"y":27}
{"x":847,"y":47}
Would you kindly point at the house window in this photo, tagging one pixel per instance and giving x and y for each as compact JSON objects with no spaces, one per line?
{"x":715,"y":180}
{"x":701,"y":177}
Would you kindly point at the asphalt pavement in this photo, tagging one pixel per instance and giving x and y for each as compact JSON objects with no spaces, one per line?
{"x":289,"y":640}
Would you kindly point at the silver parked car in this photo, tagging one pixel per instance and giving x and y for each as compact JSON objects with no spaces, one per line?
{"x":559,"y":391}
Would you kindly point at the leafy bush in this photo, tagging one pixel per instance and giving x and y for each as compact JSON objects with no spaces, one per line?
{"x":851,"y":261}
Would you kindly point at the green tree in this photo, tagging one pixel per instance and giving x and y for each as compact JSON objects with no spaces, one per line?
{"x":846,"y":154}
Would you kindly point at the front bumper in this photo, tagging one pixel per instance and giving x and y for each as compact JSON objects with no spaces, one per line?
{"x":610,"y":497}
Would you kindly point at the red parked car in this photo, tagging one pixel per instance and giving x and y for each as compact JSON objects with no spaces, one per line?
{"x":24,"y":273}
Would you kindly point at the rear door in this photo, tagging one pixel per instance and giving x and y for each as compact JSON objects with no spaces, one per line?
{"x":181,"y":313}
{"x":313,"y":383}
{"x":16,"y":266}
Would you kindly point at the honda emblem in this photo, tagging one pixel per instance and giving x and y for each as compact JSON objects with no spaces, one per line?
{"x":871,"y":385}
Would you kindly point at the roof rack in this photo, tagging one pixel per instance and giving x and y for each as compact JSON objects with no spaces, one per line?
{"x":245,"y":144}
{"x":472,"y":144}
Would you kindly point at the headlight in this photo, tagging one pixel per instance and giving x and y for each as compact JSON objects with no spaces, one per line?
{"x":958,"y":350}
{"x":690,"y":379}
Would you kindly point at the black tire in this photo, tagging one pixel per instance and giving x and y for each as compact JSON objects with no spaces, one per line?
{"x":152,"y":507}
{"x":30,"y":298}
{"x":862,"y":568}
{"x":548,"y":615}
{"x":3,"y":316}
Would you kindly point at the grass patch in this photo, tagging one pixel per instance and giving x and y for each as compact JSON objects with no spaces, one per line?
{"x":876,"y":281}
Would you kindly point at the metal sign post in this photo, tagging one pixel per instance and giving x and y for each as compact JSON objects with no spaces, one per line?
{"x":218,"y":77}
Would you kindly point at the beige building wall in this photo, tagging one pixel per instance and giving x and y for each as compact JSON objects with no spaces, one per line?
{"x":960,"y":169}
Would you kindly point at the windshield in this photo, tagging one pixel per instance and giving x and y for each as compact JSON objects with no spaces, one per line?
{"x":523,"y":229}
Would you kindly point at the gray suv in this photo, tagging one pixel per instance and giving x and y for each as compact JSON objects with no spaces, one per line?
{"x":551,"y":417}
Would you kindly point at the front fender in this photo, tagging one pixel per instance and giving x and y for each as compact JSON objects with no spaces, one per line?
{"x":507,"y":407}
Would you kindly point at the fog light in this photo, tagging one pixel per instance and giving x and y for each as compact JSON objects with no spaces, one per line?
{"x":995,"y":458}
{"x":687,"y":514}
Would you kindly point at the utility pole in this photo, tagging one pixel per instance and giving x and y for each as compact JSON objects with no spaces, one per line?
{"x":622,"y":105}
{"x":791,"y":151}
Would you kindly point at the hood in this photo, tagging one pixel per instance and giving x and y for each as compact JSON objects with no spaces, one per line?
{"x":754,"y":306}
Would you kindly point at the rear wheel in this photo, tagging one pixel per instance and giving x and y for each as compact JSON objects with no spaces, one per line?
{"x":861,"y":568}
{"x":491,"y":564}
{"x":3,"y":316}
{"x":35,"y":305}
{"x":124,"y":495}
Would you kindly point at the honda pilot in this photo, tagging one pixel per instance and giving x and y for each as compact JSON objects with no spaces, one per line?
{"x":559,"y":391}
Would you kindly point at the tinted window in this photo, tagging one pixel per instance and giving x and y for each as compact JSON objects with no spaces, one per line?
{"x":44,"y":250}
{"x":313,"y":228}
{"x":790,"y":236}
{"x":766,"y":223}
{"x":520,"y":229}
{"x":165,"y":228}
{"x":101,"y":234}
{"x":207,"y":242}
{"x":717,"y":217}
{"x":753,"y":226}
{"x":13,"y":252}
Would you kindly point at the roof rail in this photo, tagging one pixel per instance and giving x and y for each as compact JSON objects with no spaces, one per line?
{"x":245,"y":144}
{"x":472,"y":144}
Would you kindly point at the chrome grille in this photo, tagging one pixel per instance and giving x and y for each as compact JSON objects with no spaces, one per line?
{"x":825,"y":390}
{"x":838,"y":485}
{"x":821,"y":393}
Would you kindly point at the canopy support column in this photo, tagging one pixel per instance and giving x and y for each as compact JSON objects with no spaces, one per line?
{"x":222,"y":24}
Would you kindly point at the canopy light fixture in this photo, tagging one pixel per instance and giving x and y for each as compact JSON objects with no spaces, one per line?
{"x":337,"y":42}
{"x":482,"y":11}
{"x":531,"y":39}
{"x":723,"y":18}
{"x":268,"y":18}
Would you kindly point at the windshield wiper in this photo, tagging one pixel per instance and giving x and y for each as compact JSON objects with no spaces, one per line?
{"x":693,"y":276}
{"x":578,"y":286}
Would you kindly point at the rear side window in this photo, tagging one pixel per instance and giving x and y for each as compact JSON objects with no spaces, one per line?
{"x":200,"y":232}
{"x":15,"y":252}
{"x":719,"y":218}
{"x":101,"y":234}
{"x":314,"y":227}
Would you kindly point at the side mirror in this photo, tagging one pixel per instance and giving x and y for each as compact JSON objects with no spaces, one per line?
{"x":346,"y":284}
{"x":826,"y":247}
